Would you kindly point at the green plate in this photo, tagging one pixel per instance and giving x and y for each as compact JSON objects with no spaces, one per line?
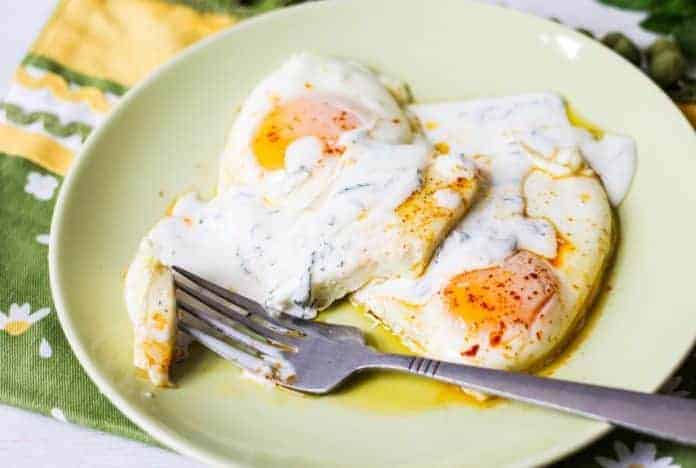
{"x":165,"y":137}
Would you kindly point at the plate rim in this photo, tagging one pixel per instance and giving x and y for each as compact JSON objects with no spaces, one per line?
{"x":150,"y":425}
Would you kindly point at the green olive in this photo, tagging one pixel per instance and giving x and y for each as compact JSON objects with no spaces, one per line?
{"x":667,"y":66}
{"x":623,"y":46}
{"x":586,"y":32}
{"x":661,"y":44}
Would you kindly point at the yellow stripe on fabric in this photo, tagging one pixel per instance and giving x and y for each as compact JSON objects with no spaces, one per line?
{"x":37,"y":148}
{"x":60,"y":89}
{"x":122,"y":40}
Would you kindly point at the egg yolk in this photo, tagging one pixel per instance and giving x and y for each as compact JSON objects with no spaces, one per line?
{"x":296,"y":119}
{"x":514,"y":292}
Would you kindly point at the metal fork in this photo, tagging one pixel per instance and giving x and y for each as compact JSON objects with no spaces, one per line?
{"x":314,"y":357}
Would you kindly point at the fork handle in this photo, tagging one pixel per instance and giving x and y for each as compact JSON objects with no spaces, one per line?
{"x":663,"y":416}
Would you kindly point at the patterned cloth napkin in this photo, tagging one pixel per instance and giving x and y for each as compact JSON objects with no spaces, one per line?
{"x":86,"y":57}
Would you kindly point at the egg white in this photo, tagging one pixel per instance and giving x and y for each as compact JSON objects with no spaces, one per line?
{"x":539,"y":197}
{"x":342,"y":83}
{"x":302,"y":235}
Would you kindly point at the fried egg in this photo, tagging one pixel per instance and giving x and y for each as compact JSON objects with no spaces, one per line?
{"x":323,"y":188}
{"x":518,"y":272}
{"x":291,"y":124}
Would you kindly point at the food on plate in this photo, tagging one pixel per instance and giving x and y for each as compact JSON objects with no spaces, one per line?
{"x":323,"y":188}
{"x":330,"y":185}
{"x":521,"y":268}
{"x":294,"y":119}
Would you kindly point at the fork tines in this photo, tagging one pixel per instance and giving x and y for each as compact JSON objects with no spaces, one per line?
{"x":234,"y":327}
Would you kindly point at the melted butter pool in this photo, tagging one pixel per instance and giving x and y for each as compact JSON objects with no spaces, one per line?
{"x":391,"y":392}
{"x":579,"y":121}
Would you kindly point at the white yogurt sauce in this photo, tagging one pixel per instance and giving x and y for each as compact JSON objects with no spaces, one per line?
{"x":614,"y":159}
{"x":300,"y":253}
{"x":507,"y":138}
{"x":447,"y":198}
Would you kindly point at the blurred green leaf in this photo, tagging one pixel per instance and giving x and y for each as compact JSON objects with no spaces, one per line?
{"x":664,"y":11}
{"x":676,"y":18}
{"x":662,"y":23}
{"x":630,"y":4}
{"x":683,"y":8}
{"x":685,"y":34}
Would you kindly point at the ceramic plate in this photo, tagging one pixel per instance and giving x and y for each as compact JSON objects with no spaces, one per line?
{"x":164,"y":140}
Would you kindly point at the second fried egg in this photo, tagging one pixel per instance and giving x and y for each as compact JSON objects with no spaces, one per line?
{"x":519,"y":270}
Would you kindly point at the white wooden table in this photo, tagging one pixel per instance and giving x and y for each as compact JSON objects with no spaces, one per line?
{"x":32,"y":441}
